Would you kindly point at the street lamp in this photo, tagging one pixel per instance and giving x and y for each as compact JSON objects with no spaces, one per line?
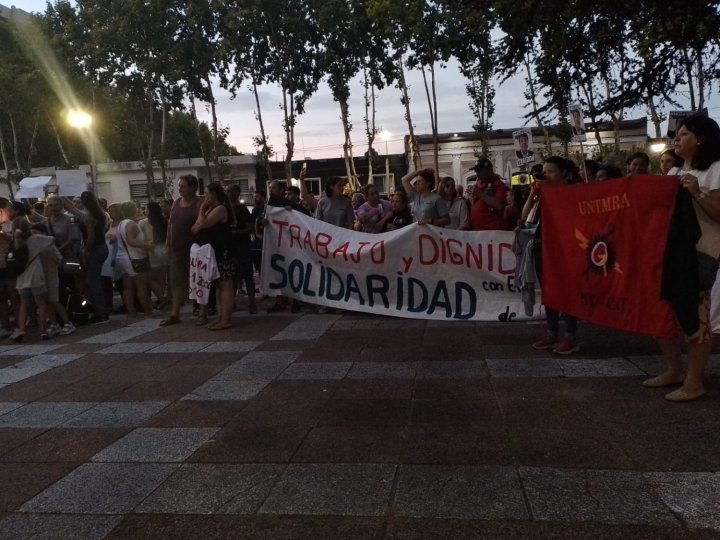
{"x":82,"y":121}
{"x":386,"y":137}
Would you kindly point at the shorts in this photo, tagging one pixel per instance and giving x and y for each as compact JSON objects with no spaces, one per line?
{"x":36,"y":292}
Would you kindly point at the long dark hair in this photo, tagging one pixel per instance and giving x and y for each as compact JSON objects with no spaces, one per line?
{"x":330,"y":184}
{"x":158,"y":222}
{"x":92,"y":205}
{"x":219,"y":193}
{"x":708,"y":131}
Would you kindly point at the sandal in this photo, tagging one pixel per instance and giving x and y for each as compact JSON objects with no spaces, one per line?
{"x":169,"y":321}
{"x":218,"y":326}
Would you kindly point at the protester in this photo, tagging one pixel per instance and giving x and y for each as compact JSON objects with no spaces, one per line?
{"x":607,"y":171}
{"x":401,"y":215}
{"x":214,"y":226}
{"x":697,"y":142}
{"x":556,"y":170}
{"x":9,"y":299}
{"x":258,"y":214}
{"x":154,"y":228}
{"x":456,"y":205}
{"x":241,"y":235}
{"x":669,"y":160}
{"x":428,"y":208}
{"x":132,"y":246}
{"x":92,"y":227}
{"x":371,"y":213}
{"x":589,"y":170}
{"x":513,"y":210}
{"x":68,"y":239}
{"x":183,"y":214}
{"x":638,"y":163}
{"x":108,"y":270}
{"x":488,"y":198}
{"x":335,"y":208}
{"x":39,"y":283}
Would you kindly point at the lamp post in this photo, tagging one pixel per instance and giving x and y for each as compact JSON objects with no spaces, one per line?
{"x":82,"y":121}
{"x":386,"y":137}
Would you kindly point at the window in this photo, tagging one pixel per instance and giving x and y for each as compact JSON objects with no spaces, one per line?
{"x":385,"y":184}
{"x":139,"y":191}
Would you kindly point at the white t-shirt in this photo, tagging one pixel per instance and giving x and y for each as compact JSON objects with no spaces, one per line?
{"x":708,"y":180}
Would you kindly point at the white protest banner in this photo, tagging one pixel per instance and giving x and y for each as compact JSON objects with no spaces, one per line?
{"x":420,"y":272}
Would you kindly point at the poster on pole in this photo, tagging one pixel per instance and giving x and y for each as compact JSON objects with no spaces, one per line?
{"x":524,"y":153}
{"x":577,"y":122}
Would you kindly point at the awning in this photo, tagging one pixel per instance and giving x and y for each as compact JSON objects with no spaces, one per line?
{"x":33,"y":187}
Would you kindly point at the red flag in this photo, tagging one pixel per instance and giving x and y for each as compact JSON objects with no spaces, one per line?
{"x":602,"y":251}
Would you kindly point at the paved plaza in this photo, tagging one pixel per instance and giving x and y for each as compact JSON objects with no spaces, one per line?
{"x":350,"y":426}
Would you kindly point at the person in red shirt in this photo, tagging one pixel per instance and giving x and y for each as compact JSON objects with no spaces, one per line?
{"x":488,"y":198}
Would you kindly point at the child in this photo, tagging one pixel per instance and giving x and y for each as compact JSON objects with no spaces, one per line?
{"x":39,"y":281}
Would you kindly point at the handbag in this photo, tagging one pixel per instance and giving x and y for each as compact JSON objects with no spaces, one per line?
{"x":139,"y":266}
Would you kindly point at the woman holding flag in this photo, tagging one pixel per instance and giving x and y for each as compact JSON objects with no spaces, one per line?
{"x":697,"y":142}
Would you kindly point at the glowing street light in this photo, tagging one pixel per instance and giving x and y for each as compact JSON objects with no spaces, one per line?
{"x":386,"y":137}
{"x":82,"y":121}
{"x":658,"y":147}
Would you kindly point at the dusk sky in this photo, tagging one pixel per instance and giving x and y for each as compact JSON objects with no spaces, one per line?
{"x":319,"y":130}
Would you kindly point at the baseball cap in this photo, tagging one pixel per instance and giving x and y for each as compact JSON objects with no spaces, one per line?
{"x":480,"y":164}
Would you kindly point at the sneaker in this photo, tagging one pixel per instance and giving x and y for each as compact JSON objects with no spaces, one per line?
{"x":548,"y":342}
{"x":566,"y":346}
{"x":95,"y":321}
{"x":69,"y":328}
{"x":17,"y":335}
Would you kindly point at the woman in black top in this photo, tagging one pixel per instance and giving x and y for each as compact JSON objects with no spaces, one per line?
{"x":401,"y":215}
{"x":93,"y":227}
{"x":214,"y":227}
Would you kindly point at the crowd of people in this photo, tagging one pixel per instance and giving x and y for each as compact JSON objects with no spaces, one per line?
{"x":62,"y":259}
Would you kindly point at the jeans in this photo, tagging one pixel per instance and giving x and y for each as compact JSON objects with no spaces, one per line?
{"x":93,"y":280}
{"x":553,"y":323}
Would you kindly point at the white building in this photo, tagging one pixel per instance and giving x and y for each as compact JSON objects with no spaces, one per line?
{"x":127,"y":180}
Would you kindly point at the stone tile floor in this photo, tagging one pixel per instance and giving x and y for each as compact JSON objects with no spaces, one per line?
{"x":349,"y":426}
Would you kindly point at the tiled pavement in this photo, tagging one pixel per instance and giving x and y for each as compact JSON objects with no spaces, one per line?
{"x":349,"y":426}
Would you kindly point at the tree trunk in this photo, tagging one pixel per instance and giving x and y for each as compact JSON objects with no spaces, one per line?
{"x":265,"y":149}
{"x":436,"y":144}
{"x":203,"y":150}
{"x":28,"y":165}
{"x":347,"y":144}
{"x":161,"y":156}
{"x":433,"y":117}
{"x":66,"y":161}
{"x":590,"y":97}
{"x":688,"y":64}
{"x":289,"y":127}
{"x":213,"y":111}
{"x":369,"y":121}
{"x":700,"y":81}
{"x":405,"y":99}
{"x":654,"y":116}
{"x":3,"y":153}
{"x":534,"y":104}
{"x":149,"y":172}
{"x":16,"y":151}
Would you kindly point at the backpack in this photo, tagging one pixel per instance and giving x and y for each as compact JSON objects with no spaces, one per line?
{"x":79,"y":310}
{"x":16,"y":262}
